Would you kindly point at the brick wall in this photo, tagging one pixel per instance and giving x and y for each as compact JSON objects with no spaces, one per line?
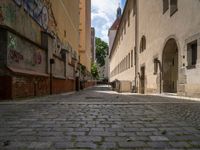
{"x":89,"y":84}
{"x":29,"y":86}
{"x":62,"y":85}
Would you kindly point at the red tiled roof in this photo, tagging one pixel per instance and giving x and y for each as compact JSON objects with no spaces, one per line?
{"x":115,"y":24}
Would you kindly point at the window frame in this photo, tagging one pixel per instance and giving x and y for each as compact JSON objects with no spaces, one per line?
{"x":165,"y":6}
{"x":173,"y":7}
{"x":190,"y":63}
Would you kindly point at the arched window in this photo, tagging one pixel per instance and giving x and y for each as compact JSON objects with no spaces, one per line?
{"x":142,"y":44}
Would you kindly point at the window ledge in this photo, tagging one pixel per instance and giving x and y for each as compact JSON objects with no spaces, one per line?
{"x":172,"y":13}
{"x":191,"y":67}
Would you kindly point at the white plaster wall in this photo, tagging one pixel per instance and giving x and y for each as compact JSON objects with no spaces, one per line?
{"x":159,"y":27}
{"x":124,"y":47}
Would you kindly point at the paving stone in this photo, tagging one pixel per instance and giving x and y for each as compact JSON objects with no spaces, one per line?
{"x":180,"y":144}
{"x":40,"y":145}
{"x":136,"y":144}
{"x":159,"y":138}
{"x":115,"y":121}
{"x":89,"y":138}
{"x":85,"y":145}
{"x":63,"y":145}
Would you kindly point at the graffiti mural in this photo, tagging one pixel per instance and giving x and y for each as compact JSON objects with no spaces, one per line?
{"x":25,"y":56}
{"x":37,"y":10}
{"x":7,"y":13}
{"x":1,"y":15}
{"x":15,"y":56}
{"x":37,"y":58}
{"x":18,"y":2}
{"x":12,"y":42}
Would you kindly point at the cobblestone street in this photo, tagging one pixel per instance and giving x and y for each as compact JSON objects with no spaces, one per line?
{"x":98,"y":118}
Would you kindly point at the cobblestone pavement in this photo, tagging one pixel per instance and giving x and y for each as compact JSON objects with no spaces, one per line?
{"x":98,"y":118}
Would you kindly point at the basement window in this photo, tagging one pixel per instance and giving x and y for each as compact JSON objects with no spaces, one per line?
{"x":192,"y":54}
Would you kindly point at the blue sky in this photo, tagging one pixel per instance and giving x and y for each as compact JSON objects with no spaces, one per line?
{"x":103,"y":15}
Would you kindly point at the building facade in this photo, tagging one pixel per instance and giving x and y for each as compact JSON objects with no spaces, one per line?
{"x":93,"y":45}
{"x":85,"y":34}
{"x":122,"y":47}
{"x":166,"y":47}
{"x":39,"y":46}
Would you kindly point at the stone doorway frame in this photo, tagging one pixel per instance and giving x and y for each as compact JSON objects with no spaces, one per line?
{"x":177,"y":53}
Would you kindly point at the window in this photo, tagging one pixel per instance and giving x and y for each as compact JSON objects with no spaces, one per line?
{"x":134,"y":7}
{"x":44,"y":40}
{"x":128,"y":18}
{"x":173,"y":6}
{"x":155,"y":61}
{"x":192,"y":54}
{"x":165,"y":5}
{"x":142,"y":44}
{"x":129,"y":56}
{"x":132,"y":58}
{"x":125,"y":27}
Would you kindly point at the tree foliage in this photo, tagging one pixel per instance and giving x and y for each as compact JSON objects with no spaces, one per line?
{"x":101,"y":51}
{"x":94,"y":71}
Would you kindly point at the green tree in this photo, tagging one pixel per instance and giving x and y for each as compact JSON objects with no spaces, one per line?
{"x":94,"y":71}
{"x":101,"y":51}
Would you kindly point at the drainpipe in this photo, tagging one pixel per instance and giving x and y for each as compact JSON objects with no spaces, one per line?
{"x":136,"y":41}
{"x":160,"y":68}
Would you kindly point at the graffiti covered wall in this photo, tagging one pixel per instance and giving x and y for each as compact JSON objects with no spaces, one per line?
{"x":20,"y":14}
{"x":25,"y":56}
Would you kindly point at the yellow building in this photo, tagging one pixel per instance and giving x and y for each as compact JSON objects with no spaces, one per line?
{"x":40,"y":41}
{"x":85,"y":34}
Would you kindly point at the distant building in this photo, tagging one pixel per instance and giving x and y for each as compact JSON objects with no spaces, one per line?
{"x":156,"y":47}
{"x":93,"y":45}
{"x":113,"y":29}
{"x":85,"y":34}
{"x":111,"y":35}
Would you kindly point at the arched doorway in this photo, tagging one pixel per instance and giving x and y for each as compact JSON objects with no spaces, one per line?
{"x":170,"y":66}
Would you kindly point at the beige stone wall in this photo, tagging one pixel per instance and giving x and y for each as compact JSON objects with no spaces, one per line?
{"x":158,"y":28}
{"x":85,"y":33}
{"x":123,"y":44}
{"x":183,"y":26}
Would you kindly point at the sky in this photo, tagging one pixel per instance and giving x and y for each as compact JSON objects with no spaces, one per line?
{"x":103,"y":15}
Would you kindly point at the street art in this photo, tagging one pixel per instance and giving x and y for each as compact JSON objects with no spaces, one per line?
{"x":1,"y":15}
{"x":18,"y":2}
{"x":12,"y":42}
{"x":42,"y":84}
{"x":37,"y":10}
{"x":15,"y":56}
{"x":37,"y":58}
{"x":7,"y":13}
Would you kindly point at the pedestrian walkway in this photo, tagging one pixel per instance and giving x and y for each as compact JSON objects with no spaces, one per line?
{"x":98,"y":118}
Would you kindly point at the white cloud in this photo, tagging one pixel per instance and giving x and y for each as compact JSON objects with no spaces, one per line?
{"x":103,"y":16}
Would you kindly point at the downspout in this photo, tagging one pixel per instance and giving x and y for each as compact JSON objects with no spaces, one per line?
{"x":136,"y":42}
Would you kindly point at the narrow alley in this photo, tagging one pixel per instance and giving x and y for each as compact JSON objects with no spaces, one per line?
{"x":98,"y":118}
